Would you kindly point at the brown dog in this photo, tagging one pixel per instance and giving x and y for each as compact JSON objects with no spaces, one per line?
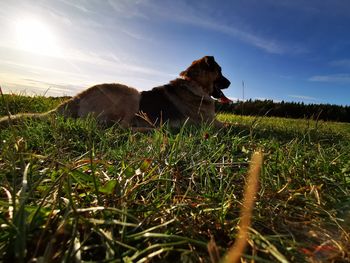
{"x":186,"y":98}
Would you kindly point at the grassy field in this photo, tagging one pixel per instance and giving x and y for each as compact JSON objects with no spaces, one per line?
{"x":73,"y":191}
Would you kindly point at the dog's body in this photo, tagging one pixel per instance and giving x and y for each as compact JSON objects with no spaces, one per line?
{"x":187,"y":98}
{"x":109,"y":103}
{"x":175,"y":103}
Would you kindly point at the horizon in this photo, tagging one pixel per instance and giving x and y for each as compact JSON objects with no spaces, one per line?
{"x":292,"y":51}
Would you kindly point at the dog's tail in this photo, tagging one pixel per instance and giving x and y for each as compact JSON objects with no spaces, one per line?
{"x":9,"y":120}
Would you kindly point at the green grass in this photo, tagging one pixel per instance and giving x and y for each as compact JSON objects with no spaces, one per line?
{"x":20,"y":103}
{"x":71,"y":190}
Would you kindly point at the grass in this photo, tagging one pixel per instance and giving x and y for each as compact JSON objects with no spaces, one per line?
{"x":70,"y":190}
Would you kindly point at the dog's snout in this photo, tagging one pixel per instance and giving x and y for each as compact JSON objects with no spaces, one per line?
{"x":223,"y":83}
{"x":226,"y":83}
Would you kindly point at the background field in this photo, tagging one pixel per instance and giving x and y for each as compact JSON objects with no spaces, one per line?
{"x":73,"y":190}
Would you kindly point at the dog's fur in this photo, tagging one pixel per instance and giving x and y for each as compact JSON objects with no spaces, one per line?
{"x":186,"y":98}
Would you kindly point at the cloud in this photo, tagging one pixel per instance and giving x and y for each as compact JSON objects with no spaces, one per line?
{"x":344,"y":63}
{"x":76,"y":70}
{"x":333,"y":78}
{"x":302,"y":97}
{"x":182,"y":12}
{"x":270,"y":46}
{"x":187,"y":12}
{"x":136,"y":36}
{"x":128,"y":8}
{"x":38,"y":88}
{"x":62,"y":88}
{"x":315,"y":7}
{"x":81,"y":7}
{"x":110,"y":62}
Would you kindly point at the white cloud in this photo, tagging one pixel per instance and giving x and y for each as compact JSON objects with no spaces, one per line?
{"x":345,"y":63}
{"x":128,"y":8}
{"x":335,"y":78}
{"x":315,"y":7}
{"x":79,"y":6}
{"x":182,"y":12}
{"x":38,"y":88}
{"x":267,"y":45}
{"x":177,"y":11}
{"x":76,"y":70}
{"x":302,"y":97}
{"x":110,"y":62}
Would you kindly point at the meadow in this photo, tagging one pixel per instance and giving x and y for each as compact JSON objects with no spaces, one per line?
{"x":73,"y":191}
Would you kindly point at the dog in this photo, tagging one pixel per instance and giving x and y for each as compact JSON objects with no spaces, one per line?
{"x":185,"y":99}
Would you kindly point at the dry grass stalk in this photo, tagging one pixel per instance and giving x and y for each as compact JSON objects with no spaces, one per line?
{"x":235,"y":252}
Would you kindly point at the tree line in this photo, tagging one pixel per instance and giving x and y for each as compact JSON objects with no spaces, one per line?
{"x":326,"y":112}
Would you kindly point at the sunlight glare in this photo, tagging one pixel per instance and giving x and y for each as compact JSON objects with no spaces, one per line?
{"x":35,"y":36}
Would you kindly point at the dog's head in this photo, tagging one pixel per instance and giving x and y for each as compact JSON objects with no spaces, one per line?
{"x":207,"y":73}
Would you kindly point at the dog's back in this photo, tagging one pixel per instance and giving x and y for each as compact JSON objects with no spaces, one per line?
{"x":109,"y":103}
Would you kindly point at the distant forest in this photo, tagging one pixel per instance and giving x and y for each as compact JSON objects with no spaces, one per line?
{"x":325,"y":112}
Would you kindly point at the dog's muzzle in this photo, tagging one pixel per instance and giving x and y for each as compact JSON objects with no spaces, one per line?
{"x":219,"y":84}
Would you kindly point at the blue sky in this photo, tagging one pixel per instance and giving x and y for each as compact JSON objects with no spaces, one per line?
{"x":292,"y":50}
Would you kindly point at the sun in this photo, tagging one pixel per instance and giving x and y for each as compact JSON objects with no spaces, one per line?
{"x":37,"y":37}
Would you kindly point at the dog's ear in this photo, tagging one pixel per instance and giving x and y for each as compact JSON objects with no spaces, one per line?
{"x":210,"y":61}
{"x":192,"y":71}
{"x":197,"y":66}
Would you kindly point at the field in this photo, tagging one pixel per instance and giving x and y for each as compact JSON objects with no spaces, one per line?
{"x":71,"y":190}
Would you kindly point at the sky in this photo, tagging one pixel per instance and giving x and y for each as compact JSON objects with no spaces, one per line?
{"x":291,"y":50}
